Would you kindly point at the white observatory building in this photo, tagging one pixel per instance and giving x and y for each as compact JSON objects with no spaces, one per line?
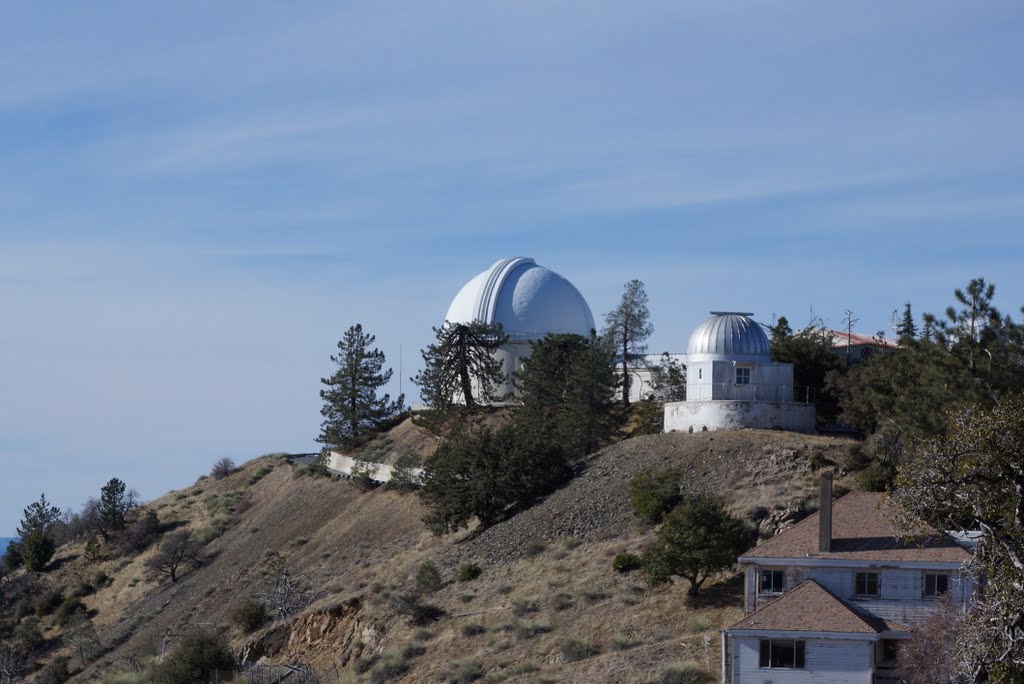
{"x":528,"y":300}
{"x":731,"y":381}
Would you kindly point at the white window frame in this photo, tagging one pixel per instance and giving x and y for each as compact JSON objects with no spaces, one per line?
{"x":867,"y":573}
{"x":776,"y":572}
{"x":936,"y":593}
{"x":746,"y":372}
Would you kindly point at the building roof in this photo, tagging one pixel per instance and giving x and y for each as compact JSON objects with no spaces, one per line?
{"x":842,"y":339}
{"x":729,"y":334}
{"x":810,"y":607}
{"x":528,"y":300}
{"x":863,"y":529}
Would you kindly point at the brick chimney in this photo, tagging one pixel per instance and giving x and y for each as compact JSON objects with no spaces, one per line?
{"x":825,"y":515}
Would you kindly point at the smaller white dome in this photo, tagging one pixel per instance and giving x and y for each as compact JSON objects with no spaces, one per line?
{"x":732,"y":335}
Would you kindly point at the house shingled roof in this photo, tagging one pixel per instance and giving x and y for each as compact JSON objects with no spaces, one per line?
{"x":811,"y":607}
{"x":863,"y":529}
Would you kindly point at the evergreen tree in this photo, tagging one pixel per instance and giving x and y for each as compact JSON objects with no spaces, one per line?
{"x":116,"y":501}
{"x":627,"y":328}
{"x":38,"y":544}
{"x":487,"y":474}
{"x":461,"y":364}
{"x":810,"y":351}
{"x":972,"y":478}
{"x":669,"y":380}
{"x":352,"y":410}
{"x":964,"y":329}
{"x":567,"y":389}
{"x":906,"y":330}
{"x":698,"y":539}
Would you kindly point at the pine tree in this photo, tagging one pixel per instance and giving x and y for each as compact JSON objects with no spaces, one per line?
{"x":906,"y":330}
{"x":567,"y":388}
{"x":116,"y":501}
{"x":461,"y":364}
{"x":36,"y":531}
{"x":352,"y":410}
{"x":627,"y":327}
{"x":963,"y":330}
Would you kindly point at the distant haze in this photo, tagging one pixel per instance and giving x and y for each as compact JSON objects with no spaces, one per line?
{"x":4,"y":541}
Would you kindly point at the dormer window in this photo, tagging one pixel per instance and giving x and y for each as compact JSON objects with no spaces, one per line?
{"x":742,"y":375}
{"x":772,"y":582}
{"x":866,"y":584}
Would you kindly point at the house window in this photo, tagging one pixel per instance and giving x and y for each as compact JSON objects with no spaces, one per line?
{"x":782,"y":653}
{"x":773,"y":581}
{"x":700,"y":373}
{"x":935,"y":584}
{"x":866,"y":584}
{"x":742,"y":375}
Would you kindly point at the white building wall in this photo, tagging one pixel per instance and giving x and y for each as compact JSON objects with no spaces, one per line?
{"x":901,"y":590}
{"x":828,"y":661}
{"x":697,"y":416}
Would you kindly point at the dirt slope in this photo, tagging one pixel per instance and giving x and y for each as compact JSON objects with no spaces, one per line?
{"x":546,"y":573}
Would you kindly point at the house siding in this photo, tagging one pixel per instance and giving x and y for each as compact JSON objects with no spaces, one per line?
{"x":828,"y":661}
{"x":901,"y":589}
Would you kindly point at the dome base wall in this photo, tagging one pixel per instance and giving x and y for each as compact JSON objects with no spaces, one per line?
{"x":700,"y":416}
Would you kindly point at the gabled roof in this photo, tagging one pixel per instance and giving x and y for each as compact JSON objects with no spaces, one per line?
{"x":842,"y":339}
{"x":811,"y":607}
{"x":864,"y":529}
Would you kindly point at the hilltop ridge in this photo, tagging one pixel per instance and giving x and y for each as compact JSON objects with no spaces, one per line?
{"x":546,"y":573}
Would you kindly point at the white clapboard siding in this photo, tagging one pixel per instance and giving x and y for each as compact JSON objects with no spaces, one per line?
{"x":828,"y":661}
{"x":901,"y":589}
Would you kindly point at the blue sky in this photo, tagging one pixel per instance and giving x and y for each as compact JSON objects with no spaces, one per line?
{"x":196,"y":199}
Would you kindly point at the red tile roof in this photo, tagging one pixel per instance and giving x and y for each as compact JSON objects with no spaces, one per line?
{"x":863,"y":528}
{"x":811,"y":607}
{"x":842,"y":339}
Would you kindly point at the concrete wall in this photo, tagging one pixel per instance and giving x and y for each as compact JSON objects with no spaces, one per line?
{"x":828,"y":661}
{"x":340,"y":464}
{"x":696,"y":416}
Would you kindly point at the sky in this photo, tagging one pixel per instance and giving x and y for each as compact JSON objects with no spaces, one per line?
{"x":197,"y":199}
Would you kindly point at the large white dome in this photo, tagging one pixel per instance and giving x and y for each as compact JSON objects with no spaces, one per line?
{"x":528,"y":300}
{"x":732,"y":335}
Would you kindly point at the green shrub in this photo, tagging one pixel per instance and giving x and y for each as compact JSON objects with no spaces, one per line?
{"x":363,"y":664}
{"x":593,"y":594}
{"x":685,"y":673}
{"x":67,"y":609}
{"x":391,"y":667}
{"x":563,"y":601}
{"x":527,"y":630}
{"x":626,"y":562}
{"x":469,"y":572}
{"x":699,"y":623}
{"x":48,"y":602}
{"x":428,"y":578}
{"x":193,"y":657}
{"x":467,"y":672}
{"x":652,"y":494}
{"x":473,"y":629}
{"x":577,"y":649}
{"x":36,"y":551}
{"x":250,"y":615}
{"x":521,"y":607}
{"x":621,"y":643}
{"x":534,"y":549}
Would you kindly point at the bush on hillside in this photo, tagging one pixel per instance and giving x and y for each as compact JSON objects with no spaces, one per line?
{"x":67,"y":610}
{"x":222,"y":468}
{"x":428,"y":578}
{"x":578,"y":649}
{"x":12,"y":556}
{"x":469,"y":572}
{"x":48,"y":602}
{"x":652,"y":494}
{"x":250,"y":615}
{"x":139,"y":535}
{"x":193,"y":658}
{"x":685,"y":673}
{"x":626,"y":562}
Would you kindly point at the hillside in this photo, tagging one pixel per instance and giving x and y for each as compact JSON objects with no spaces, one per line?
{"x":546,"y":573}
